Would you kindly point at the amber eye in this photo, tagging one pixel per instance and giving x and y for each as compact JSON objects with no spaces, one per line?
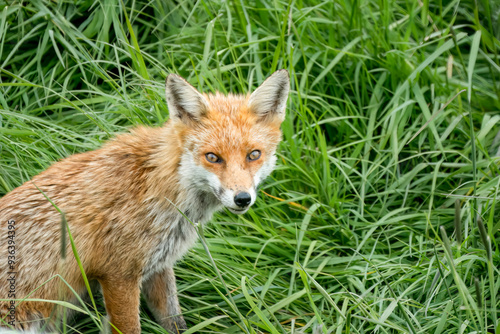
{"x":211,"y":157}
{"x":254,"y":155}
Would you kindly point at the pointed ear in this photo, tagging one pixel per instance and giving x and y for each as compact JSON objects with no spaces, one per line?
{"x":268,"y":101}
{"x":184,"y":101}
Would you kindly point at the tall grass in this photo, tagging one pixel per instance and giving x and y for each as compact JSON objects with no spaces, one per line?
{"x":383,"y":215}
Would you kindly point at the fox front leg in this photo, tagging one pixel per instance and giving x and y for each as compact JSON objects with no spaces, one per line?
{"x":122,"y":298}
{"x":160,"y":292}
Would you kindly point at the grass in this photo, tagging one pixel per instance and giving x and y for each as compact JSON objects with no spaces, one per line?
{"x":383,"y":216}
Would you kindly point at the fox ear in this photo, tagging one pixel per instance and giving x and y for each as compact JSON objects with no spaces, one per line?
{"x":268,"y":101}
{"x":183,"y":100}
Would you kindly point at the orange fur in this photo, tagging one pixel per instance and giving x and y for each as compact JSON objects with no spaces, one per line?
{"x":118,"y":204}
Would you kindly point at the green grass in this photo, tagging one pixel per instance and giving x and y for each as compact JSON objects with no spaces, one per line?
{"x":392,"y":120}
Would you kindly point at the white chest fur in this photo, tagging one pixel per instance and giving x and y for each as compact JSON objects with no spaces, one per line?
{"x":172,"y":243}
{"x":176,"y":234}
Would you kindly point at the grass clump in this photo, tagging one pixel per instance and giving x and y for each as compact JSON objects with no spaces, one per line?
{"x":383,"y":215}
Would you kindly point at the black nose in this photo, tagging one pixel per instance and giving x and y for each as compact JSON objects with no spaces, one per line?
{"x":242,"y":199}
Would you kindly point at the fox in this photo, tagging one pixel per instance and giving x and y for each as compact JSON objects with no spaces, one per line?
{"x":131,"y":207}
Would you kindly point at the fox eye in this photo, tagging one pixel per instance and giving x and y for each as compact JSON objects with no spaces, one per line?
{"x":213,"y":158}
{"x":254,"y":155}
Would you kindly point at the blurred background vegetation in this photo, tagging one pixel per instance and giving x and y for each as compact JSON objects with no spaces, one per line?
{"x":383,"y":215}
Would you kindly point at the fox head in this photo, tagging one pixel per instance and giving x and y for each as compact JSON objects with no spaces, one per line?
{"x":228,"y":142}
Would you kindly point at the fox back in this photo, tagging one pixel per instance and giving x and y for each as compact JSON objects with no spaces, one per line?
{"x":123,"y":203}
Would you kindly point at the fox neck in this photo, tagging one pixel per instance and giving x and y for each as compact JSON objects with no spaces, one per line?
{"x":170,"y":198}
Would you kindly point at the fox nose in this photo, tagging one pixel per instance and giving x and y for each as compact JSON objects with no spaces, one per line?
{"x":242,"y":199}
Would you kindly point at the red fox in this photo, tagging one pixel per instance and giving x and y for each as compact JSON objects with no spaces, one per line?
{"x":122,"y":205}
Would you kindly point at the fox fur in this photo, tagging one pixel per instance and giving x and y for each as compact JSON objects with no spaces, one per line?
{"x":122,"y":202}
